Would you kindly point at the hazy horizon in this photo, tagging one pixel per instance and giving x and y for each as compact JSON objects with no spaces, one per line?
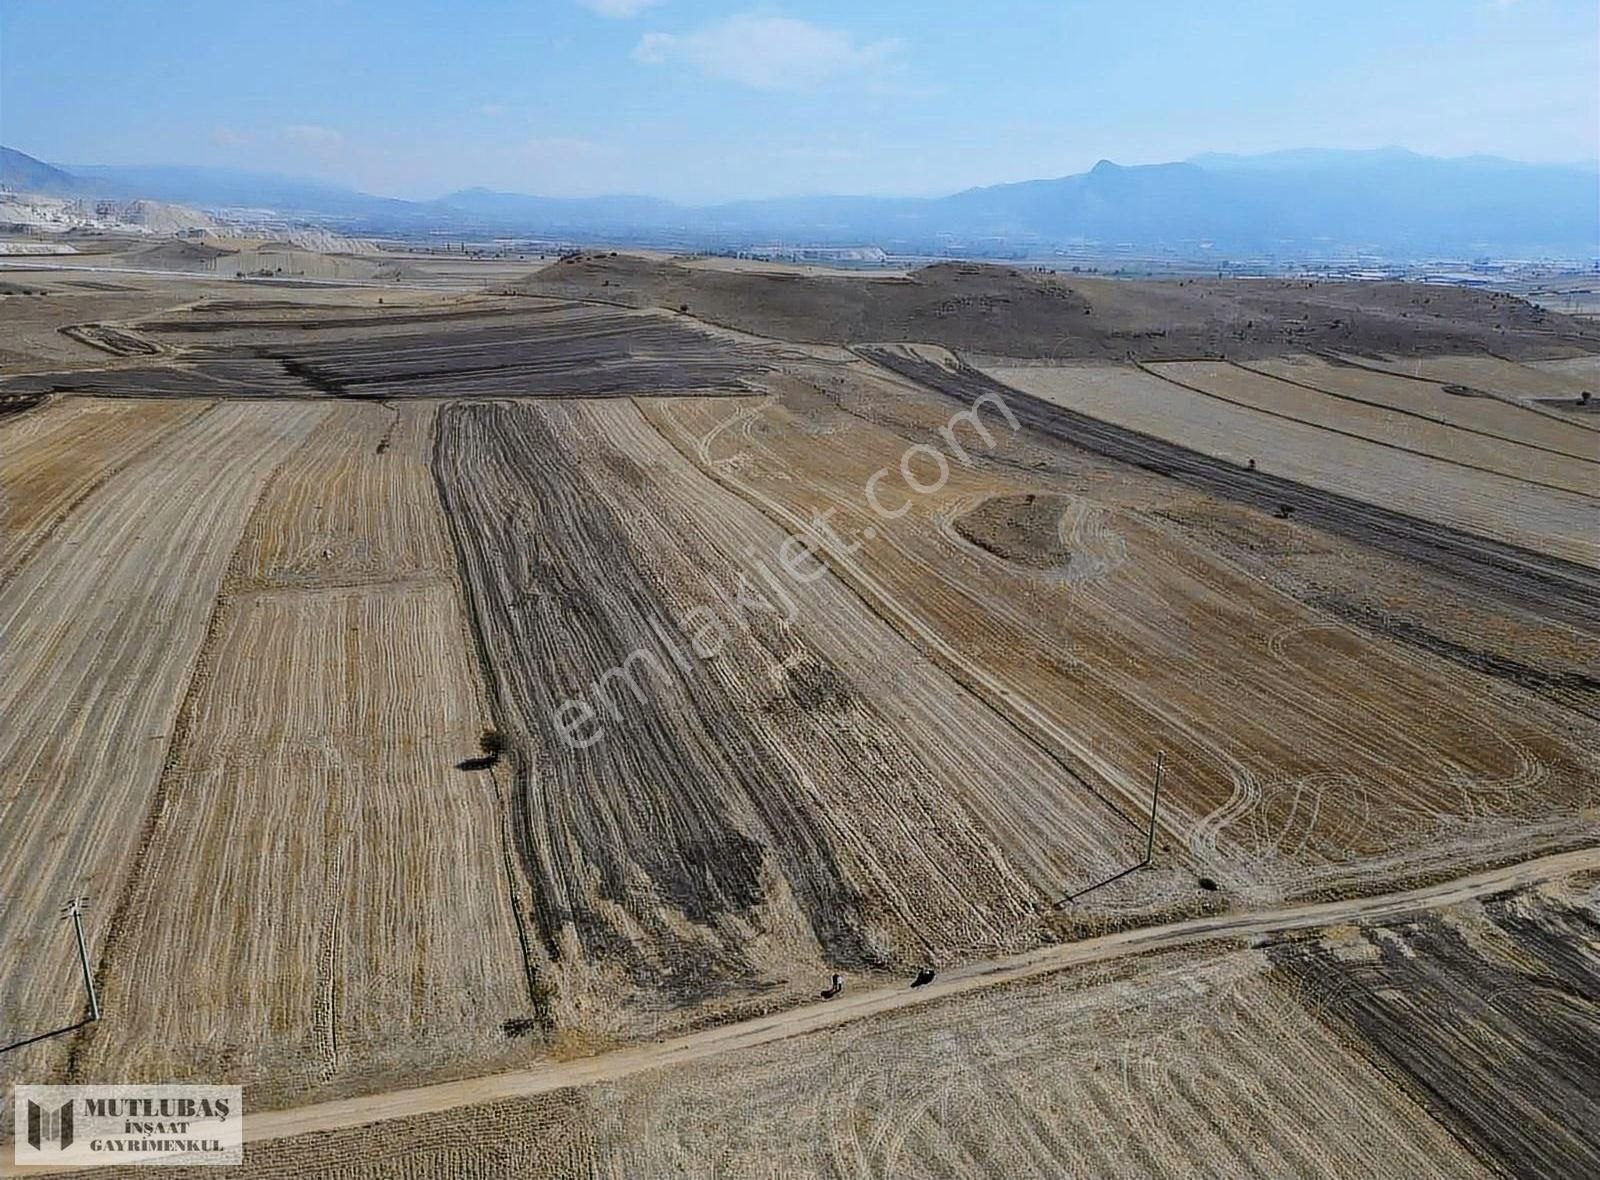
{"x":702,"y":102}
{"x":467,"y":185}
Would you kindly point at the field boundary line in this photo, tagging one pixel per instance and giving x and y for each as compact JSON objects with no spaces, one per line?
{"x":1340,"y":359}
{"x":1145,"y":367}
{"x":1350,"y":397}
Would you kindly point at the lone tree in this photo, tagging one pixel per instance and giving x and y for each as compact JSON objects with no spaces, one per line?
{"x":492,"y":742}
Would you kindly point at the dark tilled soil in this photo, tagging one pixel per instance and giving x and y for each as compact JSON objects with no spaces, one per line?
{"x":1007,"y":312}
{"x":1498,"y":1046}
{"x":589,"y":356}
{"x":113,"y":340}
{"x":644,"y":819}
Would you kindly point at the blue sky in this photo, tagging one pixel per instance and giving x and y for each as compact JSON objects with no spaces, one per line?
{"x":698,"y":99}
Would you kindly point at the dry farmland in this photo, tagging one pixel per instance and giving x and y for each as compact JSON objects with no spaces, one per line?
{"x":1340,"y":746}
{"x":1449,"y":1041}
{"x":1535,"y":466}
{"x":338,"y":606}
{"x":55,"y":457}
{"x":1486,"y":417}
{"x":1416,"y":481}
{"x":114,"y":606}
{"x":471,"y":681}
{"x":763,"y":814}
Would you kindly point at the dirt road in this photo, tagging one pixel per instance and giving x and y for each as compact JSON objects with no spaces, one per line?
{"x":858,"y":1005}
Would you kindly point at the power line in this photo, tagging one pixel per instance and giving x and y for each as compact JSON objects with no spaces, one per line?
{"x":72,"y":912}
{"x":1149,"y":842}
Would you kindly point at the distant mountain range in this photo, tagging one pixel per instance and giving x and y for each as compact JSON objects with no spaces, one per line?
{"x":1286,"y":204}
{"x":27,"y":175}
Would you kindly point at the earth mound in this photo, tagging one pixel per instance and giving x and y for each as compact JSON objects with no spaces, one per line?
{"x":1023,"y":529}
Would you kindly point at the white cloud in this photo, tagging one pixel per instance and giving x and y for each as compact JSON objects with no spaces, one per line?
{"x":229,"y":137}
{"x":492,"y":109}
{"x":310,"y":135}
{"x":618,"y":9}
{"x":767,"y":52}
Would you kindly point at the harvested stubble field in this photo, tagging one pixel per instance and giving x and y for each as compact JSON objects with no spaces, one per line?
{"x":1449,"y":1042}
{"x":1477,"y":412}
{"x":818,"y":793}
{"x":1536,"y":467}
{"x":1301,"y":751}
{"x":52,"y":459}
{"x":103,"y":624}
{"x":1497,"y":376}
{"x":1584,"y":371}
{"x":337,"y":691}
{"x":1487,"y":1015}
{"x":268,"y":590}
{"x":1485,"y":503}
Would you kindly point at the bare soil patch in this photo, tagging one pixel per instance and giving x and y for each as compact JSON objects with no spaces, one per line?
{"x":1025,"y":529}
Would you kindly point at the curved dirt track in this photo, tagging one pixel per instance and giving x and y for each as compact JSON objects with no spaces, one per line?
{"x":858,"y":1005}
{"x":1557,"y":589}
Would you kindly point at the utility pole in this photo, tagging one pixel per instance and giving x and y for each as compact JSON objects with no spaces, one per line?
{"x":1155,"y":801}
{"x":75,"y":909}
{"x":1149,"y":840}
{"x":73,"y":912}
